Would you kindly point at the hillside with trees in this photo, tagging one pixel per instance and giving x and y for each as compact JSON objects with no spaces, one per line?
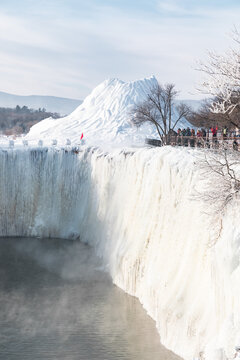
{"x":63,"y":106}
{"x":18,"y":120}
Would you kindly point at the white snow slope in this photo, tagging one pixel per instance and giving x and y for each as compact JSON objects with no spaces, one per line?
{"x":103,"y":117}
{"x":137,"y":210}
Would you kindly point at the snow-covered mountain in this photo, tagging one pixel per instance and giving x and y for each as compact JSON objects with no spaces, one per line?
{"x":103,"y":117}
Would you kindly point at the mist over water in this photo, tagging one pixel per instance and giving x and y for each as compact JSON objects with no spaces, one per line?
{"x":57,"y":303}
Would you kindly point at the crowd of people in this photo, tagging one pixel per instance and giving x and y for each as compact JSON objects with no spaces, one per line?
{"x":213,"y":131}
{"x":206,"y":137}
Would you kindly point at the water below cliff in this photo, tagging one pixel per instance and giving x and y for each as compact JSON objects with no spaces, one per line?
{"x":57,"y":303}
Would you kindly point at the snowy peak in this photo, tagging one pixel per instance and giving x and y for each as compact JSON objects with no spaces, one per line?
{"x":103,"y":117}
{"x":113,"y":91}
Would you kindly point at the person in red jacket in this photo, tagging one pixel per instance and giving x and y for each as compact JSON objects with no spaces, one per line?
{"x":214,"y":131}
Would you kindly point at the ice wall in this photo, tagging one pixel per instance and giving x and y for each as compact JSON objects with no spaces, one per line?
{"x":138,"y":209}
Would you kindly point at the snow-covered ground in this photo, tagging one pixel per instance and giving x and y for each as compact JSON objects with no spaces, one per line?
{"x":137,"y":209}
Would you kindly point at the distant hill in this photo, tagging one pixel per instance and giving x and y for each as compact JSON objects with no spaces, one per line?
{"x":18,"y":120}
{"x":63,"y":106}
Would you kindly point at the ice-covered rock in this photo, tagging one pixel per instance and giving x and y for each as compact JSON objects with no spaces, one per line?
{"x":137,"y":209}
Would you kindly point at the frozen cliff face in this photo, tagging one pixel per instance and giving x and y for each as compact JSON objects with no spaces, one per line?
{"x":103,"y":117}
{"x":138,"y":211}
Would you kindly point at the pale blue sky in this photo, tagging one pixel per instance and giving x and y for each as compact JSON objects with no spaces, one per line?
{"x":66,"y":47}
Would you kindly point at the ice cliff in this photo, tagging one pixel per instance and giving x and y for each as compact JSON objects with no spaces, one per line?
{"x":137,"y":209}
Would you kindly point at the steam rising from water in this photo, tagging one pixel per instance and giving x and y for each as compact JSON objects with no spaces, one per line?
{"x":55,"y":303}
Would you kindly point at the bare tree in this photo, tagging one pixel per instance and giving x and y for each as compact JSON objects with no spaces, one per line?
{"x":223,"y":79}
{"x":221,"y":174}
{"x":205,"y":117}
{"x":159,"y":109}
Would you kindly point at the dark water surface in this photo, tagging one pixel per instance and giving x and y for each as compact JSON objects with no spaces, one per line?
{"x":57,"y":303}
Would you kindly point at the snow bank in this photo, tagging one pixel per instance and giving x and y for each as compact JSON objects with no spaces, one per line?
{"x":138,"y":210}
{"x":103,"y":117}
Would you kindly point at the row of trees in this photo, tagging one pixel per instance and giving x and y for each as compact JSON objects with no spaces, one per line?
{"x":221,"y":85}
{"x":19,"y":119}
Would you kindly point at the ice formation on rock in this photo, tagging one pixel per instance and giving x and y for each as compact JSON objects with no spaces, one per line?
{"x":137,"y":210}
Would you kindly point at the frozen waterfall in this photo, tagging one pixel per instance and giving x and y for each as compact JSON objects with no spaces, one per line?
{"x":137,"y":209}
